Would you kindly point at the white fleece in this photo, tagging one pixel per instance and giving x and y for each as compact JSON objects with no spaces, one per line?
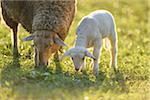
{"x":97,"y":24}
{"x":90,"y":32}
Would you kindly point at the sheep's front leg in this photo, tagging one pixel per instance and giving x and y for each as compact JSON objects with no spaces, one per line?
{"x":15,"y":45}
{"x":56,"y":56}
{"x":96,"y":53}
{"x":36,"y":58}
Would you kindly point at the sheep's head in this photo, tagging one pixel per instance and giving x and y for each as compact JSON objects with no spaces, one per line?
{"x":43,"y":41}
{"x":78,"y":56}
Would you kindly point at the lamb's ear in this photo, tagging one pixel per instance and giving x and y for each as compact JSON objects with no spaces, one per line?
{"x":58,"y":41}
{"x":88,"y":54}
{"x":67,"y":53}
{"x":29,"y":38}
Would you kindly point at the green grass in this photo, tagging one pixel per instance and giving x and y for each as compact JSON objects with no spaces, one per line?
{"x":21,"y":81}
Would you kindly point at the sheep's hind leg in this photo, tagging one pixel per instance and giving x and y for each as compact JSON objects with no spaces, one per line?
{"x":15,"y":42}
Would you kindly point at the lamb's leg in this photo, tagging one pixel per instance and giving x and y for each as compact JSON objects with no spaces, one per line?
{"x":15,"y":44}
{"x":83,"y":66}
{"x":96,"y":53}
{"x":114,"y":47}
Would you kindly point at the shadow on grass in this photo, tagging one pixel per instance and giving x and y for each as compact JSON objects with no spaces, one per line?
{"x":119,"y":77}
{"x":58,"y":65}
{"x":45,"y":82}
{"x":10,"y":71}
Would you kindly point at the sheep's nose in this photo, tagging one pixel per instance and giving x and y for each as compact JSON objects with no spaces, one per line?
{"x":77,"y":69}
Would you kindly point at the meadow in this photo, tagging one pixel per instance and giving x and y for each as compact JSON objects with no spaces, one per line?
{"x":19,"y":80}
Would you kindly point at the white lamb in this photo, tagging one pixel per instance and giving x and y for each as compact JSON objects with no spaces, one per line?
{"x":90,"y":32}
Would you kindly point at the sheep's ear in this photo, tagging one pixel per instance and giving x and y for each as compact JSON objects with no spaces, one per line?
{"x":88,"y":54}
{"x":58,"y":41}
{"x":67,"y":53}
{"x":29,"y":38}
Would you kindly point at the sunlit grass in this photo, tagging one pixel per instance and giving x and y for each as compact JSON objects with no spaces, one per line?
{"x":21,"y":81}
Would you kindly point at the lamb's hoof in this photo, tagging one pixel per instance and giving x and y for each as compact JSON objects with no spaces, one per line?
{"x":95,"y":73}
{"x":83,"y":70}
{"x":16,"y":54}
{"x":115,"y":68}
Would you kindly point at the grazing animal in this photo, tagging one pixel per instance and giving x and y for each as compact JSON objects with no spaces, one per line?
{"x":90,"y":32}
{"x":48,"y":21}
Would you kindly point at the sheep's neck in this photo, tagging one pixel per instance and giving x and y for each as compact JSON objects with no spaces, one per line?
{"x":81,"y":41}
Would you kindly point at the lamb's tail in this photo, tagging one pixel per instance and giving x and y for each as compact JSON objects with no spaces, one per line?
{"x":107,"y":45}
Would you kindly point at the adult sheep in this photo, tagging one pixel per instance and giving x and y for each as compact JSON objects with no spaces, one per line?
{"x":48,"y":21}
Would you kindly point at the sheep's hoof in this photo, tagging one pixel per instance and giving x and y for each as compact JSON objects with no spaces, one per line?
{"x":41,"y":67}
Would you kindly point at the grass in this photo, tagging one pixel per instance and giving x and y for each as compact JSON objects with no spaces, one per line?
{"x":21,"y":81}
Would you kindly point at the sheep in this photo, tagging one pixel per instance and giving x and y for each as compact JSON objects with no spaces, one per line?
{"x":48,"y":21}
{"x":91,"y":30}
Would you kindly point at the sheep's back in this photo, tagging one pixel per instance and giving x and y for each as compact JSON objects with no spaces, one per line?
{"x":19,"y":11}
{"x":51,"y":15}
{"x":55,"y":16}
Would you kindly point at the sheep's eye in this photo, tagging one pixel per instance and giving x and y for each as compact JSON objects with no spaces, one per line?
{"x":46,"y":36}
{"x":37,"y":35}
{"x":46,"y":46}
{"x":72,"y":58}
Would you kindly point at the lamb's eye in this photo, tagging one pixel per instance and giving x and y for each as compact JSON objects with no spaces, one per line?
{"x":83,"y":58}
{"x":72,"y":58}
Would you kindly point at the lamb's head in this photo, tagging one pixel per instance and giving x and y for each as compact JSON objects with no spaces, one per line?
{"x":77,"y":55}
{"x":43,"y":41}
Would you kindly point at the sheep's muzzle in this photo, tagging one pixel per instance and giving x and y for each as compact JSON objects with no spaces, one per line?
{"x":45,"y":43}
{"x":43,"y":40}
